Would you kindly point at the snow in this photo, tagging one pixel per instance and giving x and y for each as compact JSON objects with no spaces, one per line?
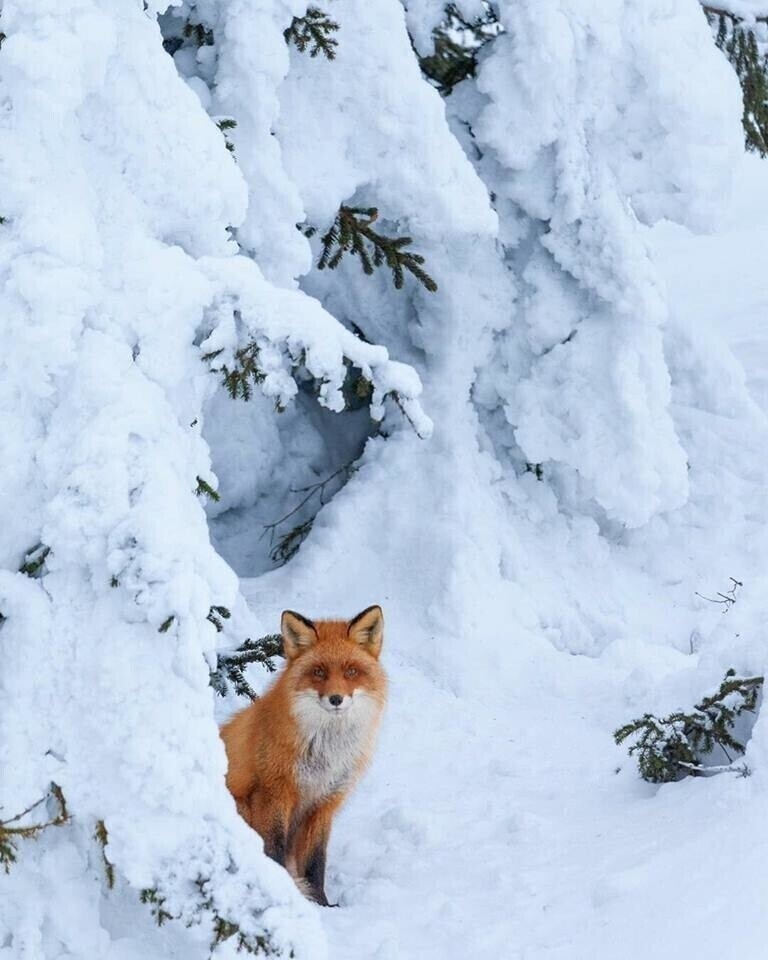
{"x":541,"y":521}
{"x":119,"y":190}
{"x":499,"y":818}
{"x":572,"y":147}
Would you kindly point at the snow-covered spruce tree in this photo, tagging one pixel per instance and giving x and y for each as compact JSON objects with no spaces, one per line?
{"x":124,"y":301}
{"x":582,"y":380}
{"x":562,"y":316}
{"x":542,"y":350}
{"x":275,"y":473}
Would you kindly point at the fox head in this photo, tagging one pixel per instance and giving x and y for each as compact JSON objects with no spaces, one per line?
{"x":333,"y":665}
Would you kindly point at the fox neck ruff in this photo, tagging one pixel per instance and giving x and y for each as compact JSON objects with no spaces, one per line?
{"x":335,"y":745}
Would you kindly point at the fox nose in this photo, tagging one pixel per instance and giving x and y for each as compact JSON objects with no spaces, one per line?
{"x":335,"y":699}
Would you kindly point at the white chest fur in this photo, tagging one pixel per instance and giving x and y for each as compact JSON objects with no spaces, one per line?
{"x":335,"y":746}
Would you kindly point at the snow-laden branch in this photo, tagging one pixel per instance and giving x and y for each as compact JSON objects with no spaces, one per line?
{"x":290,"y":329}
{"x":118,"y":275}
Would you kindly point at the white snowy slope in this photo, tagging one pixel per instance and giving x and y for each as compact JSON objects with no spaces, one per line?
{"x":503,"y":822}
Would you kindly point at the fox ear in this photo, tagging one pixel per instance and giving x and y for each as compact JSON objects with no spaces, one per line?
{"x":367,"y":629}
{"x":298,"y":633}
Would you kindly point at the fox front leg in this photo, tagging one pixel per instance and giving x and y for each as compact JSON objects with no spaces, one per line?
{"x":310,"y":848}
{"x":271,"y":821}
{"x":276,"y":842}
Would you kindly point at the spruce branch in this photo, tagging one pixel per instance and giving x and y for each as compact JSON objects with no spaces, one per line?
{"x":670,"y":748}
{"x":240,"y":379}
{"x":286,"y":545}
{"x":156,"y":901}
{"x":225,"y":929}
{"x":352,"y":232}
{"x":193,"y":35}
{"x":313,"y":31}
{"x":34,"y":560}
{"x":457,"y":45}
{"x":230,"y":667}
{"x":222,"y":928}
{"x":738,"y":40}
{"x":204,"y":489}
{"x":216,"y":615}
{"x":11,"y":830}
{"x":224,"y":124}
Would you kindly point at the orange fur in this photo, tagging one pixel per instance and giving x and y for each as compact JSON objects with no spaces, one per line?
{"x":294,"y":755}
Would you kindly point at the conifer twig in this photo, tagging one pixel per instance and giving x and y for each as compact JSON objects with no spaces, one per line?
{"x":204,"y":489}
{"x":347,"y":469}
{"x":737,"y":39}
{"x":9,"y":832}
{"x":230,"y":667}
{"x":457,"y":45}
{"x":34,"y":560}
{"x":225,"y":124}
{"x":239,"y":379}
{"x":671,"y":747}
{"x":728,"y":599}
{"x":313,"y":31}
{"x":352,"y":232}
{"x":289,"y":543}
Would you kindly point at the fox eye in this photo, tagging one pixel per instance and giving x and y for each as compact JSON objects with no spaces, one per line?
{"x":350,"y":672}
{"x":319,"y":673}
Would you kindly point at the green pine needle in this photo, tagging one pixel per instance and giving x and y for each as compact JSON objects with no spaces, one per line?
{"x":738,"y":41}
{"x":313,"y":32}
{"x":352,"y":232}
{"x":204,"y":489}
{"x":216,"y":615}
{"x":230,"y":667}
{"x":671,"y":748}
{"x":239,"y":380}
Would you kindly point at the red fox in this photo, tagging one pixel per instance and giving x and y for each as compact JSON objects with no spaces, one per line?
{"x":295,"y":754}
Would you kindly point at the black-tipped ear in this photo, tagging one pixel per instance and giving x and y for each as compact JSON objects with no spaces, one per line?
{"x":367,"y":629}
{"x":298,"y":633}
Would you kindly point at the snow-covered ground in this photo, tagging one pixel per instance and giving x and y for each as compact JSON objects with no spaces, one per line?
{"x":500,"y":820}
{"x":587,"y":460}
